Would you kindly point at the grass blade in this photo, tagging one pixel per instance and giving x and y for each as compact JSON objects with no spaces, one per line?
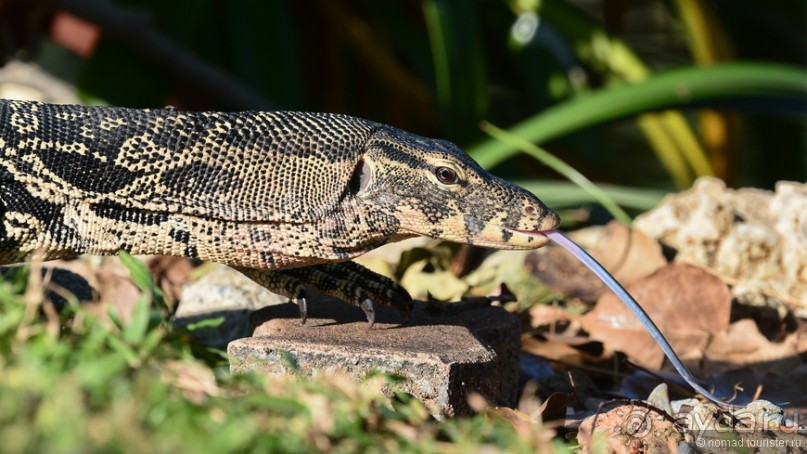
{"x":561,"y":194}
{"x":562,"y":168}
{"x":670,"y":136}
{"x":690,"y":86}
{"x":459,"y":65}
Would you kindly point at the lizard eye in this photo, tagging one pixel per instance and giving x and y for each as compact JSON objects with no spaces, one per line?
{"x":446,"y":175}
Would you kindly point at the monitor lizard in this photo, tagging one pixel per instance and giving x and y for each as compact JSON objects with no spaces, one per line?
{"x":287,"y":198}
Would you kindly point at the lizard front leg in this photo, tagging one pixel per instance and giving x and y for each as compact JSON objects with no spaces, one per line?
{"x":347,"y":281}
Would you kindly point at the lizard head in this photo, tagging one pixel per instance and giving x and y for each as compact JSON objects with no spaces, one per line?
{"x":433,"y":188}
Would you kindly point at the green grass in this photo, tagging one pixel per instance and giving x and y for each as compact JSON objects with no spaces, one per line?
{"x":74,"y":382}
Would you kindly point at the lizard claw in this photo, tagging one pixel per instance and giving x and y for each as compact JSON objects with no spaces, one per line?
{"x":299,"y":299}
{"x":347,"y":281}
{"x":369,"y":311}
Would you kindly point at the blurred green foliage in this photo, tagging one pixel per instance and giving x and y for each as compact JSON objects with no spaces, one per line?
{"x":75,"y":383}
{"x":558,"y":72}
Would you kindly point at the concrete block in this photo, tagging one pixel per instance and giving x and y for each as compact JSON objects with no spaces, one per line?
{"x":443,"y":357}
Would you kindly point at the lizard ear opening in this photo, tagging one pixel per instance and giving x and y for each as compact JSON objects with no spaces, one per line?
{"x":361,"y":177}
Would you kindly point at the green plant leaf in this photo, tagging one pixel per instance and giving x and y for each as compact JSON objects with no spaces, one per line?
{"x":135,"y":330}
{"x":459,"y":64}
{"x":690,"y":86}
{"x":562,"y":168}
{"x":560,"y":194}
{"x":124,"y":350}
{"x":669,"y":134}
{"x":206,"y":323}
{"x":141,"y":275}
{"x":143,"y":279}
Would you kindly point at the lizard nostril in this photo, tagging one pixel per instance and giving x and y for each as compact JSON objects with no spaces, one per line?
{"x":530,"y":210}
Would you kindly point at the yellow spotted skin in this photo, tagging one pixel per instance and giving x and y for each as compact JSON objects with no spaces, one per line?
{"x":282,"y":196}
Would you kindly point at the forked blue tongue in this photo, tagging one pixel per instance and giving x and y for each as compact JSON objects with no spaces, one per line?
{"x":564,"y":241}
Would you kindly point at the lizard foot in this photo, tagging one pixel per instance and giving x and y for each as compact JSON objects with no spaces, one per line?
{"x":347,"y":281}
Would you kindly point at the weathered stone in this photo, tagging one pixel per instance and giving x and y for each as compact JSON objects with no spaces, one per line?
{"x":755,"y":240}
{"x":443,"y":357}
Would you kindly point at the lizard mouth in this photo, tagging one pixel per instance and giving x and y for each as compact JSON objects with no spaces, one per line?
{"x":539,"y":233}
{"x":534,"y":238}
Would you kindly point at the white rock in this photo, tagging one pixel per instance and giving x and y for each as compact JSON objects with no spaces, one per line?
{"x":756,"y":240}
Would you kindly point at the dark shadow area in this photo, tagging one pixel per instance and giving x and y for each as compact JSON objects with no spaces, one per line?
{"x":234,"y":324}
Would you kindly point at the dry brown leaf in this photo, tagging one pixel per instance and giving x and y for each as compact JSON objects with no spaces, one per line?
{"x":116,"y":289}
{"x":742,"y":344}
{"x":524,"y":424}
{"x":171,"y":274}
{"x":516,"y":417}
{"x":554,"y":407}
{"x":564,"y":274}
{"x":195,"y":380}
{"x":629,"y":428}
{"x":801,"y":336}
{"x":553,"y":317}
{"x":570,"y":350}
{"x":626,"y":253}
{"x":687,"y":303}
{"x":552,"y":350}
